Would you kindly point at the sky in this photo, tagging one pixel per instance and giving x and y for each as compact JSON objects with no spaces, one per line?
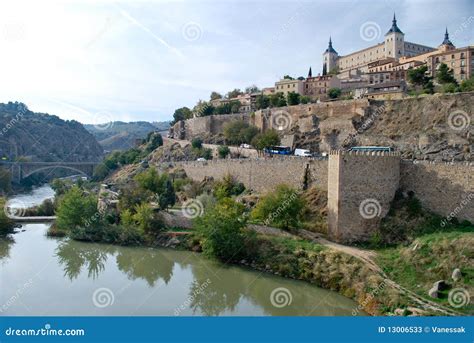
{"x":100,"y":61}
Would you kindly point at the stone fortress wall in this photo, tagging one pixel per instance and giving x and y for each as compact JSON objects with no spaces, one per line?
{"x":351,"y":178}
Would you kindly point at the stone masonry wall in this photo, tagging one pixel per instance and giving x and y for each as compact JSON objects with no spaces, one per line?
{"x":444,"y":188}
{"x":361,"y":186}
{"x":262,"y":175}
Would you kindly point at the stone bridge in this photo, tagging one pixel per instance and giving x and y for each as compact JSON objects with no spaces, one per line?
{"x":21,"y":170}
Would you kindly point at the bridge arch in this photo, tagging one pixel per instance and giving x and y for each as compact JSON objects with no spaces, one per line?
{"x":79,"y":171}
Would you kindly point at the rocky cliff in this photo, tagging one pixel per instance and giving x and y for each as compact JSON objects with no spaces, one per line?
{"x":43,"y":137}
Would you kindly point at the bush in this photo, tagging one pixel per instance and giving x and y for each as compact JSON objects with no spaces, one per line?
{"x":238,"y":132}
{"x":266,"y":139}
{"x":282,"y":208}
{"x":196,"y":143}
{"x":222,"y":231}
{"x":228,"y":187}
{"x":76,"y":209}
{"x":223,"y":151}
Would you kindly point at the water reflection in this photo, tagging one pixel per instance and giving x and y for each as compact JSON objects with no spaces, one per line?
{"x":5,"y":246}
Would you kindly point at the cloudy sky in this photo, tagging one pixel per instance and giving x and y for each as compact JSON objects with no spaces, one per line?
{"x":95,"y":61}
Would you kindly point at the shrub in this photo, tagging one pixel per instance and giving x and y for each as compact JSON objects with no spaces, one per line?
{"x":196,"y":143}
{"x":223,"y":151}
{"x":76,"y":209}
{"x":281,"y":208}
{"x":228,"y":187}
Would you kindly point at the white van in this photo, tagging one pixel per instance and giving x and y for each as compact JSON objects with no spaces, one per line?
{"x":303,"y":152}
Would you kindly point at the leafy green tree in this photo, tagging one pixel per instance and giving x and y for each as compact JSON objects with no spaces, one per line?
{"x":206,"y":153}
{"x":288,"y":77}
{"x":467,"y":85}
{"x":450,"y":88}
{"x":150,"y":180}
{"x":277,"y":100}
{"x":100,"y":172}
{"x":235,"y":106}
{"x":334,"y":93}
{"x":223,"y":151}
{"x":262,"y":101}
{"x":5,"y":181}
{"x":143,"y":217}
{"x":215,"y":96}
{"x":305,"y":99}
{"x":167,"y":196}
{"x":196,"y":143}
{"x":238,"y":132}
{"x":252,"y":89}
{"x":76,"y":209}
{"x":222,"y":231}
{"x":227,"y":187}
{"x":6,"y":224}
{"x":444,"y":75}
{"x":417,"y":76}
{"x":182,"y":113}
{"x":282,"y":208}
{"x":154,"y":140}
{"x":266,"y":139}
{"x":293,"y":98}
{"x":234,"y":93}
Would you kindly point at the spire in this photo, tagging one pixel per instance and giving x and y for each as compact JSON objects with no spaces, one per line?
{"x":446,"y":40}
{"x":330,"y":48}
{"x":310,"y":73}
{"x":394,"y":27}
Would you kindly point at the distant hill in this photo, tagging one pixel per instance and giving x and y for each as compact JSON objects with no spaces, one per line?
{"x":42,"y":137}
{"x":119,"y":135}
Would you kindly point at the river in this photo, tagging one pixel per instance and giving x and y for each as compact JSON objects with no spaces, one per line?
{"x":42,"y":276}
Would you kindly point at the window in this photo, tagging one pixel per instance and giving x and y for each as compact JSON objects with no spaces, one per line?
{"x":452,"y":57}
{"x":462,"y":63}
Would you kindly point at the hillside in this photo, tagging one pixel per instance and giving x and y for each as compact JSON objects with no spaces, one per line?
{"x":121,"y":136}
{"x":44,"y":137}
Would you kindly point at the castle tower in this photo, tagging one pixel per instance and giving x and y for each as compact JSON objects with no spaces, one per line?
{"x":446,"y":44}
{"x":394,"y":41}
{"x":310,"y":73}
{"x":330,"y":58}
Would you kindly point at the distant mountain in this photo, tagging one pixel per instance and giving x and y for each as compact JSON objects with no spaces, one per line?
{"x":42,"y":137}
{"x":119,"y":135}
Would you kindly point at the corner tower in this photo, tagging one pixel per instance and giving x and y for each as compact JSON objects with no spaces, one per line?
{"x":330,"y":58}
{"x":394,"y":41}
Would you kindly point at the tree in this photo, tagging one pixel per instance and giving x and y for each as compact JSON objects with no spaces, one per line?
{"x":6,"y":224}
{"x":277,"y":100}
{"x":293,"y":98}
{"x":222,"y":231}
{"x":206,"y":154}
{"x":5,"y":181}
{"x":149,"y":180}
{"x":223,"y":151}
{"x":143,"y":217}
{"x":154,"y":140}
{"x":334,"y":93}
{"x":467,"y":85}
{"x":262,"y":101}
{"x":227,"y":187}
{"x":234,"y":93}
{"x":196,"y":143}
{"x":167,"y":197}
{"x":266,"y":139}
{"x":417,"y":76}
{"x":282,"y":208}
{"x":182,"y":113}
{"x":252,"y":89}
{"x":215,"y":96}
{"x":444,"y":75}
{"x":76,"y":209}
{"x":238,"y":132}
{"x":288,"y":77}
{"x":304,"y":99}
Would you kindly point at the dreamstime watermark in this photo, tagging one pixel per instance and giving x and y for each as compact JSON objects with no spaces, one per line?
{"x":369,"y":298}
{"x":286,"y":26}
{"x":370,"y":208}
{"x":191,"y":298}
{"x":459,"y":120}
{"x":15,"y":208}
{"x":103,"y":297}
{"x":103,"y":120}
{"x":191,"y":31}
{"x":283,"y":206}
{"x":16,"y":296}
{"x":370,"y":31}
{"x":21,"y":110}
{"x":46,"y":331}
{"x":459,"y":297}
{"x":457,"y":209}
{"x":96,"y":216}
{"x":365,"y":125}
{"x":281,"y":297}
{"x":107,"y":25}
{"x":281,"y":120}
{"x":192,"y":208}
{"x":462,"y":27}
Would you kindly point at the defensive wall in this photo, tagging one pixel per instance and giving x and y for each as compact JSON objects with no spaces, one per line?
{"x":360,"y":185}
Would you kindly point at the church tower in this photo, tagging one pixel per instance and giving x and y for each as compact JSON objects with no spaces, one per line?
{"x":330,"y":58}
{"x":394,"y":41}
{"x":446,"y":45}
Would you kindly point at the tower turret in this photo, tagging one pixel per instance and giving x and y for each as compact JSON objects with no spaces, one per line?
{"x":330,"y":58}
{"x":394,"y":41}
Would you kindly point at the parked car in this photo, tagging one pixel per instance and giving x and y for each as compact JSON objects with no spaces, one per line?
{"x":245,"y":146}
{"x":201,"y":159}
{"x":303,"y":152}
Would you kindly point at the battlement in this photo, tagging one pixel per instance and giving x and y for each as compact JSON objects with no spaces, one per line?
{"x":365,"y":153}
